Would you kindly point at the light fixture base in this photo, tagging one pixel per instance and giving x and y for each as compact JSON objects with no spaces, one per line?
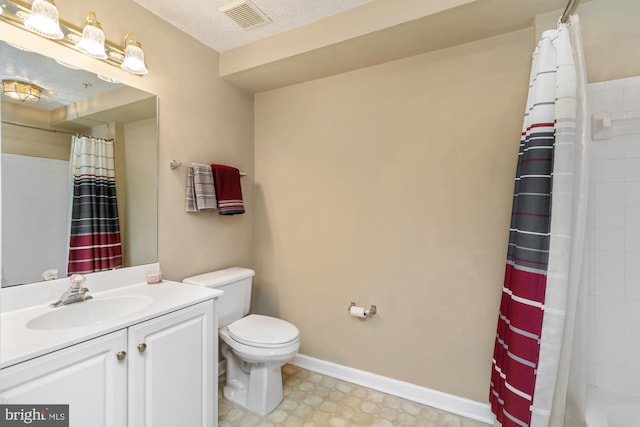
{"x":21,"y":91}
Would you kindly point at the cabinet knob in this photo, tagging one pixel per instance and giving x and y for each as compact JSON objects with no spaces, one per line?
{"x":142,"y":347}
{"x":121,"y":355}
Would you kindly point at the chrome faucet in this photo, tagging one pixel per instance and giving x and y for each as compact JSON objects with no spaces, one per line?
{"x":76,"y":292}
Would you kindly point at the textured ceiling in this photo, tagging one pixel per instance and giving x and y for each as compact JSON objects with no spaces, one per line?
{"x":202,"y":20}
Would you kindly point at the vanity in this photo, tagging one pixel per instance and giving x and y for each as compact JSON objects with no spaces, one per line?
{"x":134,"y":355}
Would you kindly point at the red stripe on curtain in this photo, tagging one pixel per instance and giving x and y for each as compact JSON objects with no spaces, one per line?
{"x":525,"y":284}
{"x":94,"y":241}
{"x":89,"y":253}
{"x":517,"y":346}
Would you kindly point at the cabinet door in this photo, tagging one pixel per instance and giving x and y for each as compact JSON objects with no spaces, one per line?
{"x":87,"y":376}
{"x":172,"y":369}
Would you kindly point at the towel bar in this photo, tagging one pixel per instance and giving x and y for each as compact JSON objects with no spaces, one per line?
{"x":175,"y":164}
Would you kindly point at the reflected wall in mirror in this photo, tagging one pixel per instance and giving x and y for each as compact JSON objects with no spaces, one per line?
{"x":36,"y":180}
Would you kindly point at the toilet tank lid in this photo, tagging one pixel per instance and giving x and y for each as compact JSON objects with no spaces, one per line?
{"x":214,"y":279}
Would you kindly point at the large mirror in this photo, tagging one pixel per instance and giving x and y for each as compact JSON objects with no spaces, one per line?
{"x":36,"y":144}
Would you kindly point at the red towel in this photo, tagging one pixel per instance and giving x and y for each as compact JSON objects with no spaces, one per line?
{"x":228,"y":189}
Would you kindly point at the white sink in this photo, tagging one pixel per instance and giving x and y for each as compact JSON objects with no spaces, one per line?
{"x":89,"y":312}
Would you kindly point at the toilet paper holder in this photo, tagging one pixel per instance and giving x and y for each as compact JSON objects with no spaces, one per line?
{"x":368,"y":312}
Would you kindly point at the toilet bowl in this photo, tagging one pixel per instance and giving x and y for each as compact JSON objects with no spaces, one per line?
{"x":255,"y":346}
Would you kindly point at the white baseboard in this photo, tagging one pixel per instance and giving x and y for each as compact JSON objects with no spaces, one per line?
{"x":436,"y":399}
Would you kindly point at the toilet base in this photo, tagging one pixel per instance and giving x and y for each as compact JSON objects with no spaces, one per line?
{"x":254,"y":396}
{"x":254,"y":386}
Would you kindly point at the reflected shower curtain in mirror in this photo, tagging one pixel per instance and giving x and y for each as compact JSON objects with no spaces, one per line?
{"x":94,"y":242}
{"x":537,"y":311}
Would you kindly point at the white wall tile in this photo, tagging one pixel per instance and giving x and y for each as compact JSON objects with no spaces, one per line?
{"x":632,"y":263}
{"x":632,"y":382}
{"x":632,"y":332}
{"x":631,"y":356}
{"x":632,"y":228}
{"x":608,"y":215}
{"x":614,"y":281}
{"x":609,"y":377}
{"x":591,"y":374}
{"x":609,"y":149}
{"x":632,"y":193}
{"x":610,"y":239}
{"x":608,"y":193}
{"x":631,"y":145}
{"x":632,"y":169}
{"x":627,"y":82}
{"x":632,"y":239}
{"x":595,"y":87}
{"x":609,"y":170}
{"x":632,"y":311}
{"x":609,"y":354}
{"x":609,"y":263}
{"x":632,"y":288}
{"x":612,"y":285}
{"x":631,"y":97}
{"x":608,"y":331}
{"x":610,"y":101}
{"x":609,"y":308}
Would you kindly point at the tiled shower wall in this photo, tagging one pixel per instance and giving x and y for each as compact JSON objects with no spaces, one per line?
{"x":35,"y":194}
{"x":613,"y":244}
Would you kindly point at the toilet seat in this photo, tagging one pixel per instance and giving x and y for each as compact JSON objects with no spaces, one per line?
{"x":263,"y":331}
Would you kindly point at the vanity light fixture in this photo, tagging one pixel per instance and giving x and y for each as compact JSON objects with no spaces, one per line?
{"x":41,"y":17}
{"x":92,"y":41}
{"x":133,"y":56}
{"x":22,"y":91}
{"x":44,"y":19}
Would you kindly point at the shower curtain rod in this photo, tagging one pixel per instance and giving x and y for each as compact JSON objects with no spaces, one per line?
{"x":7,"y":122}
{"x":568,"y":11}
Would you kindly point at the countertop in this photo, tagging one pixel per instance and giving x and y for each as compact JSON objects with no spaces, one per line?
{"x":20,"y":343}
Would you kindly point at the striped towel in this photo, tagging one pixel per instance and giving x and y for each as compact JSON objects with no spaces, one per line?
{"x":228,"y":189}
{"x":201,"y":193}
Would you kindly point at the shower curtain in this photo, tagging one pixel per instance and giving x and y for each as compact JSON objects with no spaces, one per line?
{"x":535,"y":333}
{"x":94,"y":241}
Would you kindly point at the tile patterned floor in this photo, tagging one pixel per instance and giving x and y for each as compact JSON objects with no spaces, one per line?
{"x":314,"y":400}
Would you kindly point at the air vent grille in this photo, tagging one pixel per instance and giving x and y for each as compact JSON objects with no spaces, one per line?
{"x":245,"y":14}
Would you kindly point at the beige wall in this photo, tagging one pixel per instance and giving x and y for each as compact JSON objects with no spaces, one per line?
{"x":142,"y":226}
{"x":202,"y":119}
{"x":53,"y":145}
{"x":392,"y":186}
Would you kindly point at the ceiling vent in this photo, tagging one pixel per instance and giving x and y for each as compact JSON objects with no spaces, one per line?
{"x":245,"y":14}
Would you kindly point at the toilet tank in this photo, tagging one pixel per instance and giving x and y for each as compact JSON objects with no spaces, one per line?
{"x":235,"y":282}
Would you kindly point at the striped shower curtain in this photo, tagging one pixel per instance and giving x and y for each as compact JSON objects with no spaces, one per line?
{"x":535,"y":323}
{"x":94,"y":242}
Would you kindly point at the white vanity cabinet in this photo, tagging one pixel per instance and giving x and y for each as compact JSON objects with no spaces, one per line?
{"x":157,"y":373}
{"x":173,"y":370}
{"x":87,"y":376}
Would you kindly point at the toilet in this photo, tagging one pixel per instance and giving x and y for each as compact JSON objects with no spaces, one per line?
{"x":254,"y":346}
